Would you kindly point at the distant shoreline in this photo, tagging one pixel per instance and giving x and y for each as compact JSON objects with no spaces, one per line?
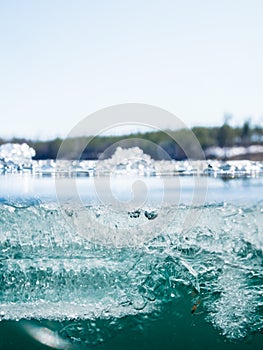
{"x":224,"y":143}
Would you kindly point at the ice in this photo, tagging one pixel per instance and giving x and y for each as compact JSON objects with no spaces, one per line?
{"x":236,"y":168}
{"x":14,"y":156}
{"x":229,"y":152}
{"x":125,"y":161}
{"x":130,"y":161}
{"x":45,"y":261}
{"x":235,"y":312}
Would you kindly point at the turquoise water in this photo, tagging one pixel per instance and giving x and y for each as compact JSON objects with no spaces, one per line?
{"x":89,"y":273}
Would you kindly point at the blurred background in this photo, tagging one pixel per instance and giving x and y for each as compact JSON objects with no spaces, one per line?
{"x":62,"y":60}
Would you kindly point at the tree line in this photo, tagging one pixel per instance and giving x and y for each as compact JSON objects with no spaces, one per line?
{"x":160,"y":144}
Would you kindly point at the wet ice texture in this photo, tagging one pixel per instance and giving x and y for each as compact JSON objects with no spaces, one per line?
{"x":49,"y":271}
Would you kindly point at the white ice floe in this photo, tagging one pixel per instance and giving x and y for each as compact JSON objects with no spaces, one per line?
{"x":14,"y":156}
{"x":131,"y":162}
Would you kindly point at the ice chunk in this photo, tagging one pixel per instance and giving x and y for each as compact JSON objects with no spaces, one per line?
{"x":128,"y":161}
{"x":14,"y":156}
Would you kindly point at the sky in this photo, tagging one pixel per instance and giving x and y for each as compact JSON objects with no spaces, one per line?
{"x":62,"y":60}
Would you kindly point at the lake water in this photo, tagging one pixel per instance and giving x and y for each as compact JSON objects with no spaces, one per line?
{"x":131,"y":262}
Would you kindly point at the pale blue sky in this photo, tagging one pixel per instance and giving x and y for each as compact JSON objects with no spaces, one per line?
{"x":62,"y":60}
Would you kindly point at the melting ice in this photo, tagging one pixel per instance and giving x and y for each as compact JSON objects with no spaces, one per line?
{"x":48,"y":270}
